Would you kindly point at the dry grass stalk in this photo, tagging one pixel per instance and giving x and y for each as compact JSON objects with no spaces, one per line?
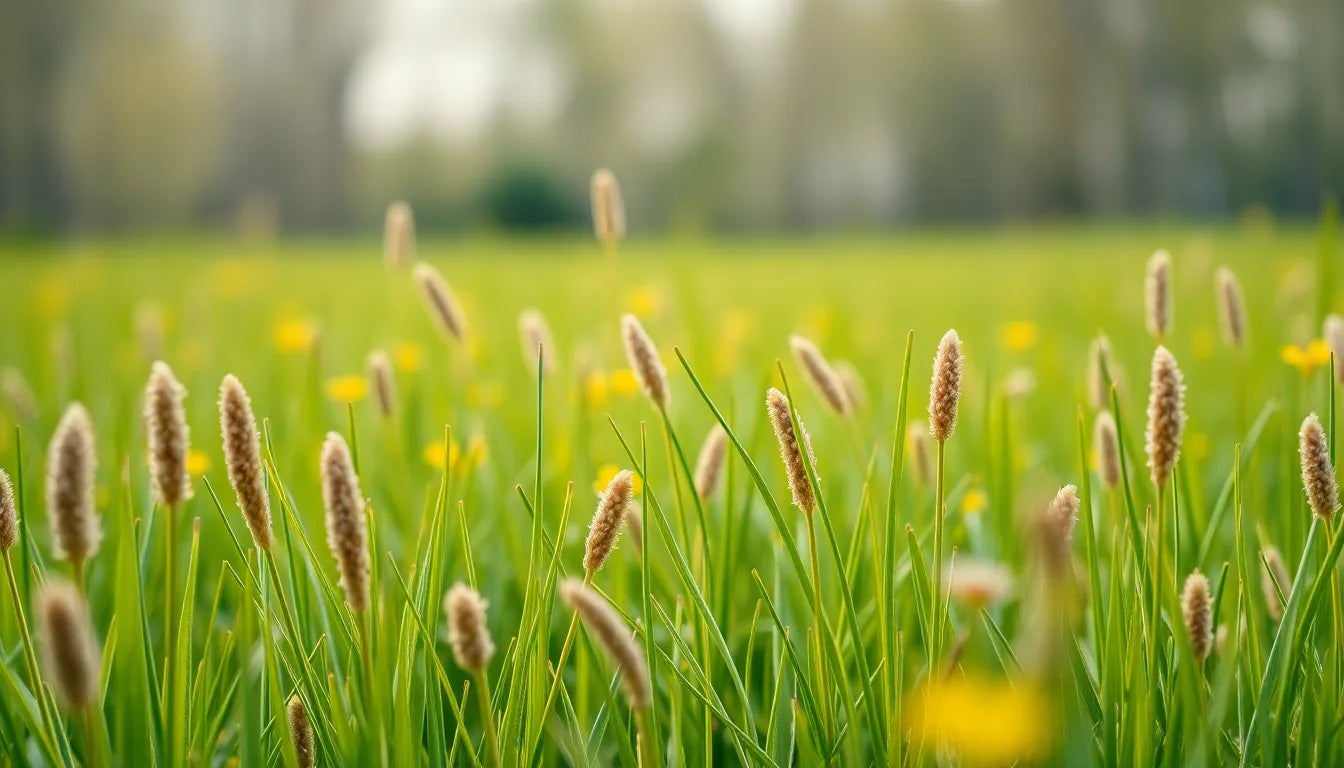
{"x":71,"y":470}
{"x":347,"y":528}
{"x":169,"y":438}
{"x":777,"y":406}
{"x":242,"y":459}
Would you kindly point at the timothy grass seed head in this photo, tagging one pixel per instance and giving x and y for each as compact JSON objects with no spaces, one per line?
{"x":398,"y":234}
{"x":945,"y":390}
{"x":536,"y":338}
{"x":608,"y":208}
{"x":1231,"y":308}
{"x":1198,"y":611}
{"x":9,"y":516}
{"x":855,"y":390}
{"x":1166,"y":416}
{"x":644,"y":360}
{"x":169,"y":438}
{"x":1106,"y":446}
{"x":347,"y":529}
{"x":709,"y":464}
{"x":1157,"y":294}
{"x":70,"y":652}
{"x":790,"y":452}
{"x":242,"y":459}
{"x":611,"y":511}
{"x":381,"y":382}
{"x":301,"y":731}
{"x":819,"y":371}
{"x":1101,"y":373}
{"x":1318,"y":474}
{"x":440,"y":301}
{"x":614,"y":637}
{"x":71,"y":469}
{"x":467,"y":630}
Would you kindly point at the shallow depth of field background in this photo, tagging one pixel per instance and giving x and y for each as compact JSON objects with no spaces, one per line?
{"x":205,"y":183}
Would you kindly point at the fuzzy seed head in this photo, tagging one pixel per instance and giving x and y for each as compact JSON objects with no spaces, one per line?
{"x":614,"y":637}
{"x":18,"y":394}
{"x":440,"y":301}
{"x":1274,"y":579}
{"x":709,"y":465}
{"x":9,"y":517}
{"x":644,"y":360}
{"x":917,"y":444}
{"x":1333,"y":333}
{"x":1166,"y":416}
{"x":819,"y":371}
{"x":398,"y":235}
{"x":945,"y":390}
{"x":301,"y":731}
{"x":608,"y":208}
{"x":169,"y":438}
{"x":1106,"y":446}
{"x":536,"y":335}
{"x":1157,"y":294}
{"x":1318,"y":474}
{"x":1063,"y":512}
{"x":467,"y":630}
{"x":347,"y":529}
{"x":70,"y":651}
{"x":1198,"y":611}
{"x":976,"y":584}
{"x":611,"y":511}
{"x":1231,"y":308}
{"x":855,"y":390}
{"x":777,"y":406}
{"x":71,"y":468}
{"x":1100,"y":366}
{"x":242,"y":458}
{"x":381,"y":382}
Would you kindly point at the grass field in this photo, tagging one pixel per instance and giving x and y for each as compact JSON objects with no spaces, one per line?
{"x":771,"y":636}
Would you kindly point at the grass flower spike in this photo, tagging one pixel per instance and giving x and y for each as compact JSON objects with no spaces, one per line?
{"x":1157,"y":295}
{"x":302,"y":732}
{"x":169,"y":438}
{"x":71,"y":467}
{"x":347,"y":529}
{"x":608,"y":208}
{"x":1197,"y":609}
{"x":9,"y":517}
{"x":440,"y":301}
{"x":1106,"y":447}
{"x":1273,"y":580}
{"x":1231,"y":308}
{"x":467,"y":630}
{"x":790,"y":452}
{"x":1318,"y":474}
{"x":614,"y":638}
{"x":945,"y":390}
{"x":709,"y":464}
{"x":398,"y":235}
{"x":71,"y":659}
{"x":536,"y":335}
{"x":242,"y":459}
{"x":1166,"y":416}
{"x":381,"y":382}
{"x":607,"y":519}
{"x":1100,"y":366}
{"x":644,"y":360}
{"x":819,"y":371}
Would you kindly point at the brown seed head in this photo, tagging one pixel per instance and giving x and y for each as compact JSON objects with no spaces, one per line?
{"x":398,"y":235}
{"x":608,"y":208}
{"x":1166,"y":416}
{"x":945,"y":390}
{"x":71,"y":653}
{"x":1196,"y":606}
{"x":169,"y":438}
{"x":819,"y":371}
{"x":347,"y":529}
{"x":440,"y":301}
{"x":644,"y":360}
{"x":1107,"y":448}
{"x":242,"y":458}
{"x":1333,"y":333}
{"x":1231,"y":308}
{"x":467,"y":630}
{"x":1273,"y":580}
{"x":1063,"y":512}
{"x":709,"y":465}
{"x":615,"y":639}
{"x":1318,"y":474}
{"x":606,"y":526}
{"x":1157,"y":294}
{"x":777,"y":406}
{"x":9,"y":517}
{"x":302,"y":732}
{"x":1101,"y":373}
{"x":381,"y":382}
{"x":71,"y":468}
{"x":855,"y":390}
{"x":18,"y":394}
{"x":536,"y":335}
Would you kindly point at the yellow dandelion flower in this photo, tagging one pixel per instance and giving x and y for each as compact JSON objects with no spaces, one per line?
{"x":437,"y":457}
{"x":974,"y":501}
{"x":198,"y":462}
{"x":295,"y":335}
{"x":1020,"y":335}
{"x":984,"y":721}
{"x":624,"y":383}
{"x":604,"y":475}
{"x":643,"y":301}
{"x":595,"y":389}
{"x":408,"y":357}
{"x":1306,"y":359}
{"x":350,"y":388}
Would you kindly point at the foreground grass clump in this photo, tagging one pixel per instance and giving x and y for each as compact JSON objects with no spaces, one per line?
{"x":706,"y":516}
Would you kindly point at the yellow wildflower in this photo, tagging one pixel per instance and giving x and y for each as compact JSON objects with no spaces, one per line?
{"x":595,"y":389}
{"x":1308,"y":359}
{"x":408,"y":357}
{"x":350,"y":388}
{"x":1020,"y":335}
{"x":295,"y":335}
{"x":643,"y":301}
{"x":606,"y":472}
{"x":624,"y":383}
{"x":198,"y":462}
{"x":974,"y":501}
{"x":984,"y":721}
{"x":437,"y":457}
